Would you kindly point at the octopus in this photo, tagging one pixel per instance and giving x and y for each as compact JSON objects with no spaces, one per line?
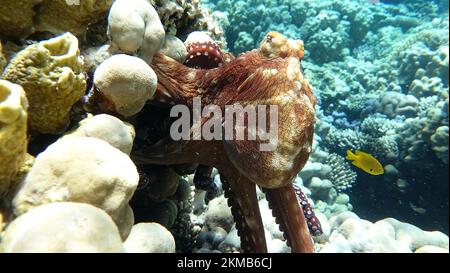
{"x":270,"y":75}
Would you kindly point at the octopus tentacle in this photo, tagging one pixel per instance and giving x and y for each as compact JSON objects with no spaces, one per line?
{"x":244,"y":207}
{"x":289,"y":215}
{"x":315,"y":228}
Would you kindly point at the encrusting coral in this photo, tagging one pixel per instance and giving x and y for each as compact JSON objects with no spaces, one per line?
{"x":13,"y":132}
{"x":50,"y":72}
{"x":2,"y":59}
{"x":16,"y":17}
{"x":59,"y":16}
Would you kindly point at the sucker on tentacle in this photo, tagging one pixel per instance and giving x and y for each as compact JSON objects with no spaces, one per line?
{"x":290,"y":217}
{"x":314,"y":226}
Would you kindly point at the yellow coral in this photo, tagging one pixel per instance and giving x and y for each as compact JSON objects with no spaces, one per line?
{"x":16,"y":17}
{"x":51,"y":74}
{"x":58,"y":16}
{"x":2,"y":59}
{"x":13,"y":132}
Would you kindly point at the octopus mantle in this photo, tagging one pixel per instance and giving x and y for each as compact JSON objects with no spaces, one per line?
{"x":268,"y":76}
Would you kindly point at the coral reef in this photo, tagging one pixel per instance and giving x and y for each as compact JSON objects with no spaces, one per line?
{"x":183,"y":17}
{"x":83,"y":153}
{"x":50,"y":72}
{"x":352,"y":234}
{"x":13,"y":129}
{"x":341,"y":175}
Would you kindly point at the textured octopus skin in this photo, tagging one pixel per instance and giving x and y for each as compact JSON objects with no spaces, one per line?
{"x":270,"y":75}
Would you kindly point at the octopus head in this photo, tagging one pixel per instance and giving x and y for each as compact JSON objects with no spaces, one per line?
{"x":276,"y":44}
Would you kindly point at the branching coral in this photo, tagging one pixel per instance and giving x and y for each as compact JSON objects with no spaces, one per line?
{"x":182,"y":17}
{"x":342,"y":140}
{"x":341,"y":175}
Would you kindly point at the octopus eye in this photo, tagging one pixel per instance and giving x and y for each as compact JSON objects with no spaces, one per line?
{"x":269,"y":38}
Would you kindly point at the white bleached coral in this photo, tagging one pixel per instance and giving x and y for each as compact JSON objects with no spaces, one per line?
{"x":117,"y":133}
{"x":124,"y":84}
{"x":174,"y":48}
{"x":149,"y":238}
{"x":81,"y":169}
{"x":62,"y":227}
{"x":352,"y":234}
{"x":134,"y":26}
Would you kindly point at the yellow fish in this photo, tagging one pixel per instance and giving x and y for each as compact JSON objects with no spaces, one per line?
{"x":365,"y":162}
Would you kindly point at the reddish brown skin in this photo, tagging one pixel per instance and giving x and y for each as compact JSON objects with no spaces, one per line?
{"x":249,"y":79}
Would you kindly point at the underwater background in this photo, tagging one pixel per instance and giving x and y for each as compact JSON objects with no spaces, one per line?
{"x":379,"y":70}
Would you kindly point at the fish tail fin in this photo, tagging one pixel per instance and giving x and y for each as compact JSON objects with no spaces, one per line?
{"x":350,"y":155}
